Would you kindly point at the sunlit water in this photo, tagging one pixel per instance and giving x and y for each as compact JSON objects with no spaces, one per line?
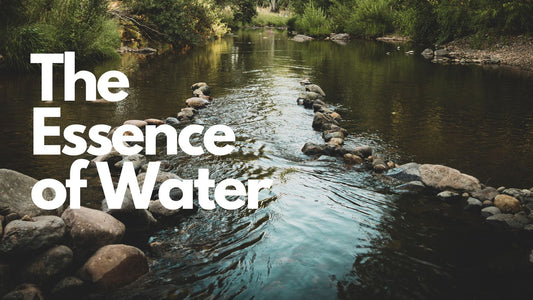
{"x":324,"y":230}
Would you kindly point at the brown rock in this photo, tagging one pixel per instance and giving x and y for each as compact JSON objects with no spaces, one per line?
{"x":138,"y":123}
{"x":114,"y":266}
{"x":507,"y":204}
{"x":352,"y":159}
{"x":154,"y":122}
{"x":91,"y":229}
{"x":196,"y":102}
{"x":336,"y":141}
{"x":47,"y":266}
{"x":445,"y":178}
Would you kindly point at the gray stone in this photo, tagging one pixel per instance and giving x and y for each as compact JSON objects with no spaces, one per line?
{"x":340,"y":37}
{"x":442,"y":52}
{"x":490,"y":211}
{"x":473,"y":204}
{"x":315,"y":89}
{"x":159,"y":211}
{"x":448,"y":195}
{"x":174,"y":122}
{"x":321,"y":120}
{"x":138,"y":160}
{"x":15,"y":195}
{"x":47,"y":266}
{"x":27,"y":236}
{"x":313,"y":149}
{"x":90,"y":229}
{"x":362,"y":151}
{"x":501,"y":189}
{"x":302,"y":38}
{"x":531,"y":257}
{"x":428,"y":53}
{"x":488,"y":193}
{"x":446,"y":178}
{"x":406,"y":172}
{"x":506,"y":221}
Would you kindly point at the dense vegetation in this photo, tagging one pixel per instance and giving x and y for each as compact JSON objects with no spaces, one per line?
{"x":426,"y":21}
{"x":92,"y":28}
{"x":56,"y":26}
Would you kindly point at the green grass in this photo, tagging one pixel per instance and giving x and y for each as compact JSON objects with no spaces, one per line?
{"x":265,"y":18}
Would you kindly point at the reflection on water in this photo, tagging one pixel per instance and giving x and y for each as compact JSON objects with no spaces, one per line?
{"x":323,"y":230}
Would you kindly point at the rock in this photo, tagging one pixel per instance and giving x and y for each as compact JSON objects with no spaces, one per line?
{"x":319,"y":106}
{"x":334,"y":150}
{"x":24,"y":291}
{"x":473,"y":204}
{"x":202,"y":90}
{"x":69,"y":288}
{"x":336,"y":116}
{"x":501,"y":189}
{"x":490,"y":211}
{"x":336,"y":141}
{"x":523,"y":195}
{"x":196,"y":102}
{"x":174,"y":122}
{"x":164,"y":166}
{"x":27,"y":236}
{"x":15,"y":195}
{"x":406,"y":172}
{"x":448,"y":196}
{"x":137,"y":123}
{"x":442,"y":52}
{"x":427,"y":53}
{"x":362,"y":151}
{"x":315,"y":89}
{"x":112,"y":158}
{"x":47,"y":266}
{"x":138,"y":161}
{"x":488,"y":193}
{"x":379,"y":165}
{"x":114,"y":266}
{"x":340,"y":37}
{"x":154,"y":122}
{"x":320,"y":120}
{"x":413,"y":186}
{"x":442,"y":178}
{"x":506,"y":221}
{"x":328,"y":135}
{"x":12,"y":217}
{"x":313,"y":149}
{"x":352,"y":159}
{"x":302,"y":38}
{"x":198,"y":85}
{"x":507,"y":204}
{"x":531,"y":257}
{"x":488,"y":203}
{"x":90,"y":229}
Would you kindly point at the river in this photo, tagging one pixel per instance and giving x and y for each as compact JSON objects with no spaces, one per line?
{"x":324,"y":230}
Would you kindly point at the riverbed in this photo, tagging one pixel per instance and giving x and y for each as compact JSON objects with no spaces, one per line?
{"x":324,"y":230}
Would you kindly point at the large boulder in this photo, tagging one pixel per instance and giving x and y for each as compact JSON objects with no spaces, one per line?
{"x":47,"y":266}
{"x":506,"y":221}
{"x":321,"y":120}
{"x":488,"y":193}
{"x":90,"y":229}
{"x":507,"y":204}
{"x":138,"y":160}
{"x":15,"y":194}
{"x":196,"y":102}
{"x":114,"y":266}
{"x":27,"y":236}
{"x":69,"y":288}
{"x":313,"y":149}
{"x":445,"y":178}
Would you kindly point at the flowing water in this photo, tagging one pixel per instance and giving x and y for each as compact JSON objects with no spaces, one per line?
{"x":324,"y":230}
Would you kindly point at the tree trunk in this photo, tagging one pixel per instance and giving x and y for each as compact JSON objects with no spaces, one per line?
{"x":273,"y":7}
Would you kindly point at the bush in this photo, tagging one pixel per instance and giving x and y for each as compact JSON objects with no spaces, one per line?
{"x":56,"y":26}
{"x":371,"y":18}
{"x":313,"y":21}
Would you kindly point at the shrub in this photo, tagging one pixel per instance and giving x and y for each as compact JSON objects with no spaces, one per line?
{"x":371,"y":18}
{"x":313,"y":21}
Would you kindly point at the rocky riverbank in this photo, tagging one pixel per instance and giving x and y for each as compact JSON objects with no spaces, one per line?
{"x":81,"y":253}
{"x":503,"y":208}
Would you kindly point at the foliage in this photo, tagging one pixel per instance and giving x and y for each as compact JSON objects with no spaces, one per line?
{"x":179,"y":22}
{"x":313,"y":21}
{"x":371,"y":18}
{"x":269,"y":19}
{"x":56,"y":26}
